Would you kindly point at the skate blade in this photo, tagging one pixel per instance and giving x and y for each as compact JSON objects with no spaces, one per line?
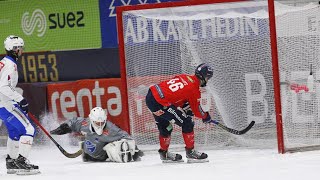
{"x":28,"y":172}
{"x":12,"y":171}
{"x":197,"y":160}
{"x":170,"y":161}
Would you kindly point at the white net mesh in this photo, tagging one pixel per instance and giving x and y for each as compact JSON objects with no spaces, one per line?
{"x":298,"y":47}
{"x":234,"y":39}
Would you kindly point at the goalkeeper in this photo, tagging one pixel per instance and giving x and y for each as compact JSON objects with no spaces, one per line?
{"x":176,"y":101}
{"x":104,"y":141}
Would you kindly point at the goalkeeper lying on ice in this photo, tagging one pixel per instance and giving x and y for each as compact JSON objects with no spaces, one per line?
{"x":104,"y":141}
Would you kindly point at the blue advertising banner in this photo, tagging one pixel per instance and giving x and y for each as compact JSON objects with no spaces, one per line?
{"x":108,"y":18}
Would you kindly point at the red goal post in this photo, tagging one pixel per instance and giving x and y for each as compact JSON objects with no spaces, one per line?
{"x":239,"y":39}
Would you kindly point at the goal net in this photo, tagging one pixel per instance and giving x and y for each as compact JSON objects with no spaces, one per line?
{"x":163,"y":40}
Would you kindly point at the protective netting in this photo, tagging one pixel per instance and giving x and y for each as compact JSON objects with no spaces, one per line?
{"x":234,"y":39}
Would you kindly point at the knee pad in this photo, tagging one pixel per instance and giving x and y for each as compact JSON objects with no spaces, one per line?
{"x":188,"y":125}
{"x":30,"y":130}
{"x":165,"y":128}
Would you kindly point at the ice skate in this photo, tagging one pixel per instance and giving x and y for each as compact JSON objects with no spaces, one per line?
{"x":194,"y":156}
{"x":25,"y":168}
{"x":168,"y":157}
{"x":12,"y":168}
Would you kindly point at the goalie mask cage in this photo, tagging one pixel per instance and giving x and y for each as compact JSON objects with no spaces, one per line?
{"x":261,"y":53}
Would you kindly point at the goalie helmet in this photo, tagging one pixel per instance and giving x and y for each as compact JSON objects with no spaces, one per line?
{"x":98,"y":118}
{"x":204,"y":72}
{"x":12,"y":42}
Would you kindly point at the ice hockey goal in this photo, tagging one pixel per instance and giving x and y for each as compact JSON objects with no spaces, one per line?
{"x":260,"y":65}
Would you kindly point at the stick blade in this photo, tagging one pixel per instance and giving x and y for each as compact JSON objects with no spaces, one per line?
{"x":247,"y":128}
{"x":72,"y":155}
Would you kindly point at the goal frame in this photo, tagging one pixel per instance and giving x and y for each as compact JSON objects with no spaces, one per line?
{"x":274,"y":55}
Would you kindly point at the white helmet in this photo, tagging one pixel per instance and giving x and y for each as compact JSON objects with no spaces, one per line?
{"x":98,"y":118}
{"x":12,"y":42}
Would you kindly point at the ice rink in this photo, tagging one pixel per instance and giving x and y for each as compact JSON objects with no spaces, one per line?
{"x":223,"y":165}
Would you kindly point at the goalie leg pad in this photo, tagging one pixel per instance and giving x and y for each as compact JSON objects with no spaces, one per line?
{"x":120,"y":151}
{"x":125,"y":153}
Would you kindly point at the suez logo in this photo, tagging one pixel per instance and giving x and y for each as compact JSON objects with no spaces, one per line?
{"x":74,"y":99}
{"x":70,"y":19}
{"x":37,"y":21}
{"x":115,"y":3}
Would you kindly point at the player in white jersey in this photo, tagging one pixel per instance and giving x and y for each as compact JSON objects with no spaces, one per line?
{"x":13,"y":111}
{"x":104,"y":141}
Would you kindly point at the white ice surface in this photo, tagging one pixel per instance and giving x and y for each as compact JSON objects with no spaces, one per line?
{"x":223,"y":165}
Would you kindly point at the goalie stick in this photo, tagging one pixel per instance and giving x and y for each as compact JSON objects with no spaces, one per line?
{"x":233,"y":131}
{"x":69,"y":155}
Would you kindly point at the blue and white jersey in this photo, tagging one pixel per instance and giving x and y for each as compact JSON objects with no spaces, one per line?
{"x":16,"y":121}
{"x":8,"y":83}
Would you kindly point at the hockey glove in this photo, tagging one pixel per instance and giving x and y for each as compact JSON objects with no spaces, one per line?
{"x":207,"y":120}
{"x":187,"y":109}
{"x":24,"y":105}
{"x":62,"y":129}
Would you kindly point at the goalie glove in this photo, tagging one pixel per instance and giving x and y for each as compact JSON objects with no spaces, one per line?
{"x":138,"y":154}
{"x":187,"y":109}
{"x":62,"y":129}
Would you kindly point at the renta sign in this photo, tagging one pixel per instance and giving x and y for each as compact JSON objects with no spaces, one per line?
{"x":76,"y":99}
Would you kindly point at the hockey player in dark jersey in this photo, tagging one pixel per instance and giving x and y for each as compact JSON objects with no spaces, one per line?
{"x":104,"y":141}
{"x":176,"y":101}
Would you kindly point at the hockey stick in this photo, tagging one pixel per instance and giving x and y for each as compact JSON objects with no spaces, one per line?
{"x":233,"y":131}
{"x":69,"y":155}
